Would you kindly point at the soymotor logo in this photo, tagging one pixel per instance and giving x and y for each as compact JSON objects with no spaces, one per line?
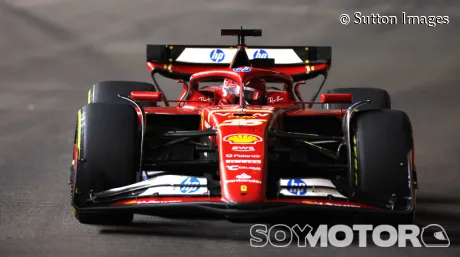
{"x":217,"y":55}
{"x":281,"y":235}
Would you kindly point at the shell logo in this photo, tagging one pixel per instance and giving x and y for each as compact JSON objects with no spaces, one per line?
{"x":242,"y":139}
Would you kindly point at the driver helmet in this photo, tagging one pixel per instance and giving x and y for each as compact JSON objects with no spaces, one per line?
{"x":230,"y":87}
{"x":253,"y":94}
{"x":254,"y":91}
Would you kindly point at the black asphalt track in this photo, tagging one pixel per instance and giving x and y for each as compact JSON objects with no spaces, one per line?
{"x":52,"y":51}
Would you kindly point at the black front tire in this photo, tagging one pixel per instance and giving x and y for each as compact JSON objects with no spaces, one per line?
{"x":382,"y":148}
{"x":109,"y":150}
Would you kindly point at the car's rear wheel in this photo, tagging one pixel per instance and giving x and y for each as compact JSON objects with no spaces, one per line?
{"x":380,"y":99}
{"x":382,"y":147}
{"x":108,"y":91}
{"x":108,"y":139}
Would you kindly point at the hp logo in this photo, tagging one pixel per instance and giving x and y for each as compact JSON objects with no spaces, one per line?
{"x":189,"y":185}
{"x":297,"y":183}
{"x":260,"y":54}
{"x":243,"y":69}
{"x":217,"y":55}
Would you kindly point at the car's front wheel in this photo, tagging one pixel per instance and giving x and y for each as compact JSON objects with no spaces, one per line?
{"x":382,"y":150}
{"x":108,"y":142}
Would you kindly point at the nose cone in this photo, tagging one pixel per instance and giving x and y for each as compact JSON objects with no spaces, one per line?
{"x":242,"y":164}
{"x":242,"y":145}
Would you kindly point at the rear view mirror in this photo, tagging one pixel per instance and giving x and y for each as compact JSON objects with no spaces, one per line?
{"x":336,"y":98}
{"x":147,"y":96}
{"x":302,"y":82}
{"x":297,"y":91}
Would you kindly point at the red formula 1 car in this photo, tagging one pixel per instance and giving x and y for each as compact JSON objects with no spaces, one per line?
{"x":240,"y":142}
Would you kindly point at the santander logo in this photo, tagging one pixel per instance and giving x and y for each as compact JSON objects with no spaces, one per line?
{"x":243,"y":176}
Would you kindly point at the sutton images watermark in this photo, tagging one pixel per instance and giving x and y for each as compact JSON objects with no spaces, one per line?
{"x":359,"y":18}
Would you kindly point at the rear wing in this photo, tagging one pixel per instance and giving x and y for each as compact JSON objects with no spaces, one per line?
{"x":182,"y":61}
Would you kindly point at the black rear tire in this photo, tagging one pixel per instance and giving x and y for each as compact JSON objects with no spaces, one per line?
{"x":109,"y":148}
{"x":380,"y":99}
{"x":382,"y":145}
{"x":107,"y":92}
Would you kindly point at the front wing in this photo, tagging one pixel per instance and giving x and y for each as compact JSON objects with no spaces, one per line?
{"x":175,"y":195}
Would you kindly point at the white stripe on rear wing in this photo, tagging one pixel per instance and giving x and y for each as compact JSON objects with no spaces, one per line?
{"x":225,"y":55}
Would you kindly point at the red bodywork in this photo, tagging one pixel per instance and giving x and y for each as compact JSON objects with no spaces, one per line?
{"x":320,"y":202}
{"x":241,"y":139}
{"x":240,"y":132}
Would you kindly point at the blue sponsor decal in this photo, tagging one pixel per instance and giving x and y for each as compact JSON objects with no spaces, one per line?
{"x":297,"y":183}
{"x":242,"y":69}
{"x":189,"y":185}
{"x":144,"y":176}
{"x":217,"y":55}
{"x":260,"y":54}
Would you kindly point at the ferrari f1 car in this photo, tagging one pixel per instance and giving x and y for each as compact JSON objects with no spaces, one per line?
{"x":240,"y":142}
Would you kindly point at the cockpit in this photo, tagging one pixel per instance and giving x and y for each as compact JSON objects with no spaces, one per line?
{"x":253,"y":92}
{"x":234,"y":90}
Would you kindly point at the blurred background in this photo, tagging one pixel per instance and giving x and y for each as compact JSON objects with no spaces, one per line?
{"x":53,"y":51}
